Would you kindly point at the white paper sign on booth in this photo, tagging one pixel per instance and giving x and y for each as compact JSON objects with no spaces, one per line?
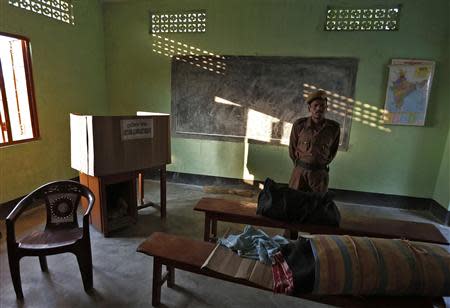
{"x":136,"y":129}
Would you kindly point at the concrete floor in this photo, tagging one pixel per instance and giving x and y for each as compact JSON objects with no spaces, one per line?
{"x":122,"y":277}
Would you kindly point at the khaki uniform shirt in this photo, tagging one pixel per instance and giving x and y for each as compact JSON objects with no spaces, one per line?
{"x":312,"y":144}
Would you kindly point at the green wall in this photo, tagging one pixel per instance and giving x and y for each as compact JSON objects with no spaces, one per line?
{"x":69,"y":73}
{"x":69,"y":76}
{"x":442,"y":188}
{"x":441,"y":193}
{"x":405,"y":161}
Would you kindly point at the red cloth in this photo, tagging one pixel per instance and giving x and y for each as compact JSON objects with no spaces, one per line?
{"x":283,"y":280}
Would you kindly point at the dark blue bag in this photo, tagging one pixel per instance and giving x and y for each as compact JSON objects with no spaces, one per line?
{"x":287,"y":204}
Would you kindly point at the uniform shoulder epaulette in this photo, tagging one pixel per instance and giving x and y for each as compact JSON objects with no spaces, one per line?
{"x":333,"y":123}
{"x":301,"y":121}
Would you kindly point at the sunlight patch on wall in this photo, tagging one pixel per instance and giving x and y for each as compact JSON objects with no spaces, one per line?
{"x":287,"y":127}
{"x":259,"y":125}
{"x":260,"y":128}
{"x":221,"y":100}
{"x":246,"y":175}
{"x":195,"y":56}
{"x":352,"y":109}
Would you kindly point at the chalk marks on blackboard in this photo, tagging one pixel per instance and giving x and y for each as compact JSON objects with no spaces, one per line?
{"x":195,"y":56}
{"x":259,"y":126}
{"x":264,"y":90}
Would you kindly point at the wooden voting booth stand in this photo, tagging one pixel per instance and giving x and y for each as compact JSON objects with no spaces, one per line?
{"x":112,"y":155}
{"x":115,"y":200}
{"x":116,"y":203}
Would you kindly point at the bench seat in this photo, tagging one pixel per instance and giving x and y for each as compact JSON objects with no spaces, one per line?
{"x":245,"y":213}
{"x":170,"y":251}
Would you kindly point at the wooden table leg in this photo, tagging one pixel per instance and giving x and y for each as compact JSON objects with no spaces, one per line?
{"x":214,"y":227}
{"x":207,"y":228}
{"x":156,"y":287}
{"x":162,"y":187}
{"x":171,"y":278}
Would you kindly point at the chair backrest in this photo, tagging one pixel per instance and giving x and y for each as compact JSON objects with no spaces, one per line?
{"x":62,"y":199}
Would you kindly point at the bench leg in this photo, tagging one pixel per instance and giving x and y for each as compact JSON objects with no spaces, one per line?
{"x":207,"y":228}
{"x":171,"y":276}
{"x":141,"y":189}
{"x":156,"y":287}
{"x":162,"y":190}
{"x":293,"y":234}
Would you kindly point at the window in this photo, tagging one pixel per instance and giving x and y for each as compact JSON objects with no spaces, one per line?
{"x":18,"y":117}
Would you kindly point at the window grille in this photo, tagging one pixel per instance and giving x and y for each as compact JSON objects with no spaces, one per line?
{"x":182,"y":22}
{"x":362,"y":19}
{"x":61,"y":10}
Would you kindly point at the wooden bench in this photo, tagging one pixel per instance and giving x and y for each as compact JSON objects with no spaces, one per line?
{"x":170,"y":251}
{"x":245,"y":213}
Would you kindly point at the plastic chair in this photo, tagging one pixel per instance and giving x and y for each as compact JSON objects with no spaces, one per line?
{"x":61,"y":234}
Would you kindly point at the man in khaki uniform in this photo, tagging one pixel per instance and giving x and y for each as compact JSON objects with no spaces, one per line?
{"x":313,"y":144}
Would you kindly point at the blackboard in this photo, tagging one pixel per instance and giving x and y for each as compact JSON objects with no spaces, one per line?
{"x":231,"y":97}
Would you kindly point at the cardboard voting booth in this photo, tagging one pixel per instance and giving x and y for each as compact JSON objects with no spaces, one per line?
{"x":111,"y":152}
{"x":104,"y":145}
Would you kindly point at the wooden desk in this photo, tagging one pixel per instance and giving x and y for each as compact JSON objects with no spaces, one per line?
{"x":170,"y":250}
{"x":245,"y":213}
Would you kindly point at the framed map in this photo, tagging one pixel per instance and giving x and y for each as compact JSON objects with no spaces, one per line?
{"x":408,"y":90}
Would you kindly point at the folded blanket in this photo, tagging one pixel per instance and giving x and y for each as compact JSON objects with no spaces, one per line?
{"x":331,"y":264}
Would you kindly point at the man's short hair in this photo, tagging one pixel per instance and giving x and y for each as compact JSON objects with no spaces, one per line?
{"x":315,"y":96}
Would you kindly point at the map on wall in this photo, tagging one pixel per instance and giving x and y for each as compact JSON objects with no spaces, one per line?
{"x":408,"y":90}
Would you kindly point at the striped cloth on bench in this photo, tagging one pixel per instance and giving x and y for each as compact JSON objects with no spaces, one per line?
{"x":369,"y":266}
